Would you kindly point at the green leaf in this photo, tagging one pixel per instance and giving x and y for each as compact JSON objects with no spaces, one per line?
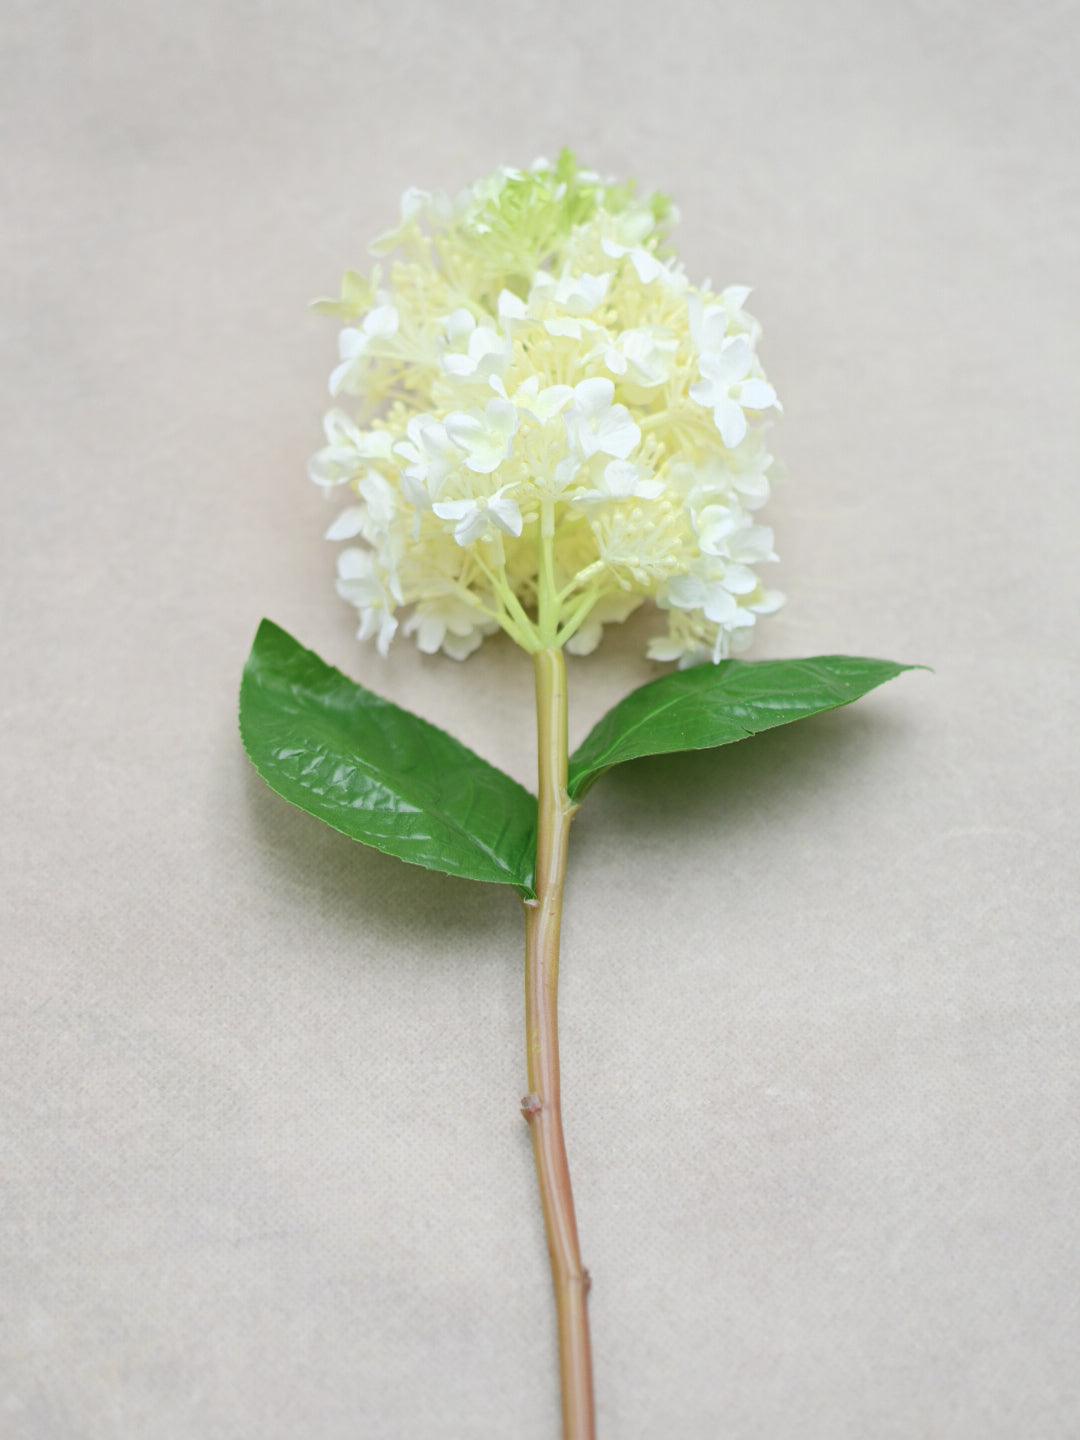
{"x":378,"y":773}
{"x":714,"y":705}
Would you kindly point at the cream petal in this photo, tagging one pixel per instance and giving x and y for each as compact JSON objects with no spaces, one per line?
{"x":757,"y":394}
{"x":348,"y":524}
{"x":730,"y":421}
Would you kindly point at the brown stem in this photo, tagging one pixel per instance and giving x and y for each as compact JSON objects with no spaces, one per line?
{"x":541,"y":1107}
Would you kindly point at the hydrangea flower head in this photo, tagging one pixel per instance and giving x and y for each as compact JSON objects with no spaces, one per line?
{"x":543,"y":424}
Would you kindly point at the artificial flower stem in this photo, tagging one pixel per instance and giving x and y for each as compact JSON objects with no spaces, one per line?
{"x":580,"y":579}
{"x":573,"y":623}
{"x":513,"y":618}
{"x":547,"y":599}
{"x":542,"y":1105}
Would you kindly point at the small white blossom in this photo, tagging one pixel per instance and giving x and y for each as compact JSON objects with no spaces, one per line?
{"x":711,"y":323}
{"x":432,"y":458}
{"x":715,"y":590}
{"x":621,"y":480}
{"x":728,"y":389}
{"x":348,"y":450}
{"x":483,"y":513}
{"x":645,"y":356}
{"x":648,"y":267}
{"x":597,"y":425}
{"x":485,"y":438}
{"x":448,"y":624}
{"x":374,"y":595}
{"x":741,"y":479}
{"x":542,"y":405}
{"x":722,"y":530}
{"x":416,"y":205}
{"x":354,"y":346}
{"x":478,"y":350}
{"x":576,"y":294}
{"x":372,"y":519}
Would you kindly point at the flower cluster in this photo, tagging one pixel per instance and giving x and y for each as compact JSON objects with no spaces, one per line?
{"x":542,"y":424}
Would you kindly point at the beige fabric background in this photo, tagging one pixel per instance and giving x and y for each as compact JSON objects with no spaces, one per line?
{"x":264,"y":1171}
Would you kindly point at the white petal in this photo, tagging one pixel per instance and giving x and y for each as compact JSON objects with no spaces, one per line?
{"x":464,"y":430}
{"x":348,"y":524}
{"x":387,"y":627}
{"x":549,"y":402}
{"x":740,"y":579}
{"x":768,"y":603}
{"x":485,"y":459}
{"x":429,"y":631}
{"x":502,"y":417}
{"x":720,"y":607}
{"x":566,"y":472}
{"x":471,"y":527}
{"x":757,"y":394}
{"x":381,"y":322}
{"x":593,"y":396}
{"x":615,"y":360}
{"x":715,"y":523}
{"x":338,"y":428}
{"x":339,"y":376}
{"x":351,"y":343}
{"x":459,"y":325}
{"x":753,"y":488}
{"x":413,"y":202}
{"x":707,"y":393}
{"x":511,"y":307}
{"x":647,"y":266}
{"x":686,"y":592}
{"x":355,"y":564}
{"x":324,"y":468}
{"x":734,"y":360}
{"x":755,"y":543}
{"x":374,"y":444}
{"x":730,"y":421}
{"x":461,"y":647}
{"x":415,"y":494}
{"x":454,"y":509}
{"x":506,"y":516}
{"x":664,"y":648}
{"x":587,"y":638}
{"x":619,"y":434}
{"x":566,"y":328}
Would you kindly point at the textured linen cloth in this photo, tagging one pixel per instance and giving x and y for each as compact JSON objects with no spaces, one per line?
{"x":264,"y":1171}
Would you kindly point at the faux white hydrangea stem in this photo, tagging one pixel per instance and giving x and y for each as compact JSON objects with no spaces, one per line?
{"x":547,"y":597}
{"x":542,"y":1105}
{"x":511,"y":616}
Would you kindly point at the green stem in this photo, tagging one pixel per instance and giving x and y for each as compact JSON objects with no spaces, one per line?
{"x":577,"y":617}
{"x":513,"y":618}
{"x":581,"y":578}
{"x":542,"y":1105}
{"x":547,"y":596}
